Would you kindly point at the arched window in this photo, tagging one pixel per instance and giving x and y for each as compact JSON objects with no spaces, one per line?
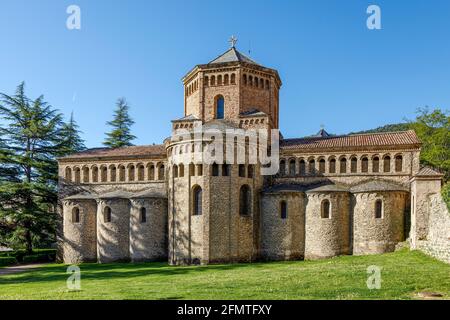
{"x":267,"y":85}
{"x":104,"y":174}
{"x":364,"y":164}
{"x":261,"y":83}
{"x":241,"y":170}
{"x":121,"y":173}
{"x":322,"y":166}
{"x":353,"y":165}
{"x":387,"y":164}
{"x":256,"y":82}
{"x":325,"y":210}
{"x":68,"y":174}
{"x":302,"y":167}
{"x":199,"y":170}
{"x":332,"y":168}
{"x":226,"y":170}
{"x":181,"y":170}
{"x":94,"y":174}
{"x":140,"y":170}
{"x":233,"y":78}
{"x":197,"y":201}
{"x":77,"y":175}
{"x":131,"y":173}
{"x":376,"y":164}
{"x":161,"y":172}
{"x":378,"y":209}
{"x":343,"y":168}
{"x":151,"y":172}
{"x":219,"y":80}
{"x":220,"y":107}
{"x":143,"y":215}
{"x":226,"y":79}
{"x":250,"y":171}
{"x":191,"y":170}
{"x":213,"y":80}
{"x":85,"y":175}
{"x":292,"y":167}
{"x":250,"y":80}
{"x":399,"y":163}
{"x":75,"y":215}
{"x":175,"y":171}
{"x":282,"y":167}
{"x":107,"y":214}
{"x":245,"y":79}
{"x":215,"y":170}
{"x":312,"y":166}
{"x":206,"y":81}
{"x":283,"y":210}
{"x":245,"y":201}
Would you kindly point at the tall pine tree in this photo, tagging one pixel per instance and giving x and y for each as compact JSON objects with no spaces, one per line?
{"x":31,"y":142}
{"x":120,"y":135}
{"x":70,"y":135}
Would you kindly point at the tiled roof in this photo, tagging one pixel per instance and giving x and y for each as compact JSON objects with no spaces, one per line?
{"x":253,"y":113}
{"x":378,"y":185}
{"x":118,"y":194}
{"x":367,"y":186}
{"x":353,"y":141}
{"x":427,"y":172}
{"x":190,"y":117}
{"x":329,"y":188}
{"x":232,"y":55}
{"x":151,"y":150}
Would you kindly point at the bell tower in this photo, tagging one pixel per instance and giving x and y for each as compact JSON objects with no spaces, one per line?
{"x":230,"y":87}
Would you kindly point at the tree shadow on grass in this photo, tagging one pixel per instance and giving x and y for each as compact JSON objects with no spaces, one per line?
{"x":57,"y":273}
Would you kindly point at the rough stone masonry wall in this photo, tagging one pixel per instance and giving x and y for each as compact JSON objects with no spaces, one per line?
{"x":148,"y":240}
{"x":327,"y":237}
{"x":437,"y":243}
{"x":113,"y":238}
{"x":283,"y":239}
{"x":231,"y":235}
{"x":80,"y":239}
{"x":373,"y":235}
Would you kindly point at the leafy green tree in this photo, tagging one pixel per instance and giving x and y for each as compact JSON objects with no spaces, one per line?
{"x":433,"y":129}
{"x":70,"y":134}
{"x":120,"y":136}
{"x":31,"y":142}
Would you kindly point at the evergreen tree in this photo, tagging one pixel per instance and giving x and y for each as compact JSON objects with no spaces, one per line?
{"x":70,"y":134}
{"x":120,"y":136}
{"x":31,"y":142}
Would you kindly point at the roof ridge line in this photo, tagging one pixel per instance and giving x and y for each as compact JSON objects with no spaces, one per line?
{"x":221,"y":55}
{"x":351,"y":135}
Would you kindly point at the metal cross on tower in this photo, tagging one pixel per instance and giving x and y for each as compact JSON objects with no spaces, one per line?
{"x":232,"y":41}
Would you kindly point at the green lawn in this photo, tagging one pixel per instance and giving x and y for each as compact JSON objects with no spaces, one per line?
{"x":404,"y":273}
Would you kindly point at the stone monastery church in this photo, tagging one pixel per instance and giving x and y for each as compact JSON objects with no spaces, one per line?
{"x":333,"y":195}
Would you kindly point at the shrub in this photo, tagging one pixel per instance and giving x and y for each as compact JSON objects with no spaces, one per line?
{"x":6,"y":261}
{"x":43,"y":256}
{"x":35,"y":258}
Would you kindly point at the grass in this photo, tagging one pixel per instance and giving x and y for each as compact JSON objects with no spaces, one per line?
{"x":404,"y":273}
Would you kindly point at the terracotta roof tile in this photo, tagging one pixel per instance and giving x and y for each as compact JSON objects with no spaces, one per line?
{"x":427,"y":172}
{"x":133,"y":151}
{"x":353,"y":141}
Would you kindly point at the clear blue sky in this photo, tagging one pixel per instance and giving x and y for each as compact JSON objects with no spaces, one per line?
{"x":335,"y":71}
